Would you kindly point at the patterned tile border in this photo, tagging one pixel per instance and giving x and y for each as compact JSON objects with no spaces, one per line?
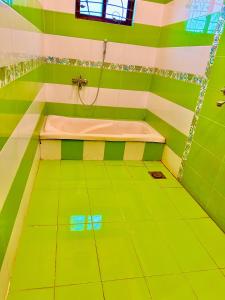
{"x":187,"y":77}
{"x":204,"y":85}
{"x":14,"y":71}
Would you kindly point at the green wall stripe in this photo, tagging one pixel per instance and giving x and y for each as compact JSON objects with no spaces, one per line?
{"x":63,"y":74}
{"x":65,"y":24}
{"x":175,"y":35}
{"x":12,"y":203}
{"x":174,"y":138}
{"x":180,"y":92}
{"x":98,"y":112}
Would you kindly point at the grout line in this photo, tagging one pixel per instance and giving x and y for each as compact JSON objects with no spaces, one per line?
{"x":96,"y":248}
{"x":57,"y":231}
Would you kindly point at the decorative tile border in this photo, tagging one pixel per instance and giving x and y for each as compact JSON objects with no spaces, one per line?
{"x":187,"y":77}
{"x":14,"y":71}
{"x":204,"y":85}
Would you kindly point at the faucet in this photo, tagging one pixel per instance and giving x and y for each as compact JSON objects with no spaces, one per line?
{"x":80,"y":82}
{"x":220,"y":103}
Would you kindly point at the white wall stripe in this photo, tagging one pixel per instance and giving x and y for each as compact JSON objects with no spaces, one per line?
{"x":87,"y":49}
{"x":183,"y":59}
{"x":60,"y":93}
{"x":172,"y":113}
{"x":179,"y":10}
{"x":148,"y":13}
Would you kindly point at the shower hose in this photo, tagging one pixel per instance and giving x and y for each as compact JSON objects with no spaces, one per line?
{"x":99,"y":80}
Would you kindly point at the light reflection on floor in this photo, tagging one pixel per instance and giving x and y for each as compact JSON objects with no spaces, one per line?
{"x":82,"y":223}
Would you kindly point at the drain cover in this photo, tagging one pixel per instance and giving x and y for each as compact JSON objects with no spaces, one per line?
{"x":157,"y":175}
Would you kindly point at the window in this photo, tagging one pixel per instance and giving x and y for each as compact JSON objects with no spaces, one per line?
{"x":110,"y":11}
{"x":200,"y":19}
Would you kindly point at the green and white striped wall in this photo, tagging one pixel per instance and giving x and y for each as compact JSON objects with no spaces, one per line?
{"x":20,"y":122}
{"x":100,"y":150}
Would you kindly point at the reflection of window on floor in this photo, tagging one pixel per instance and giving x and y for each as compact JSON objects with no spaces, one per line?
{"x":81,"y":223}
{"x":10,"y":2}
{"x":199,"y":19}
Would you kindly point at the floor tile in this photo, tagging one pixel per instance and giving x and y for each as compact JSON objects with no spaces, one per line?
{"x":43,"y":207}
{"x":139,"y":173}
{"x":79,"y":292}
{"x":212,"y":238}
{"x":72,"y":184}
{"x":49,"y":168}
{"x":154,"y":255}
{"x":72,"y":170}
{"x":160,"y":206}
{"x":76,"y":255}
{"x":73,"y":202}
{"x":207,"y":285}
{"x":95,"y":172}
{"x":189,"y":252}
{"x":116,"y":253}
{"x":103,"y":202}
{"x":118,"y":172}
{"x":134,"y":163}
{"x":48,"y":175}
{"x":132,"y":206}
{"x":122,"y":223}
{"x":42,"y":294}
{"x":133,"y":289}
{"x":184,"y":203}
{"x":99,"y":184}
{"x":35,"y":260}
{"x":170,"y":287}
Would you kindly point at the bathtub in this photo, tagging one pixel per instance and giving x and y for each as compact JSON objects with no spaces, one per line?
{"x":58,"y":127}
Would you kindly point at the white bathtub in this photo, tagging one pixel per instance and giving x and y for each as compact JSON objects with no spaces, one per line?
{"x":57,"y":127}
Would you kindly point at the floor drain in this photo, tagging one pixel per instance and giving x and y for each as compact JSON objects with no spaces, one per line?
{"x":157,"y":175}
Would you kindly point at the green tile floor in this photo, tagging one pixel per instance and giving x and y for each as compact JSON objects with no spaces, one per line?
{"x":107,"y":230}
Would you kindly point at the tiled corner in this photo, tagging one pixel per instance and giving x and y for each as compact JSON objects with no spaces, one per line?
{"x":134,"y":151}
{"x":51,"y":149}
{"x":94,"y":150}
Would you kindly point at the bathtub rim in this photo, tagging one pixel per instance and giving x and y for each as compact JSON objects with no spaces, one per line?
{"x":60,"y":135}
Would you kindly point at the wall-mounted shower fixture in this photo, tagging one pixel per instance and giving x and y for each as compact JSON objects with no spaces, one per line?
{"x":223,"y":91}
{"x":80,"y":82}
{"x":220,"y":103}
